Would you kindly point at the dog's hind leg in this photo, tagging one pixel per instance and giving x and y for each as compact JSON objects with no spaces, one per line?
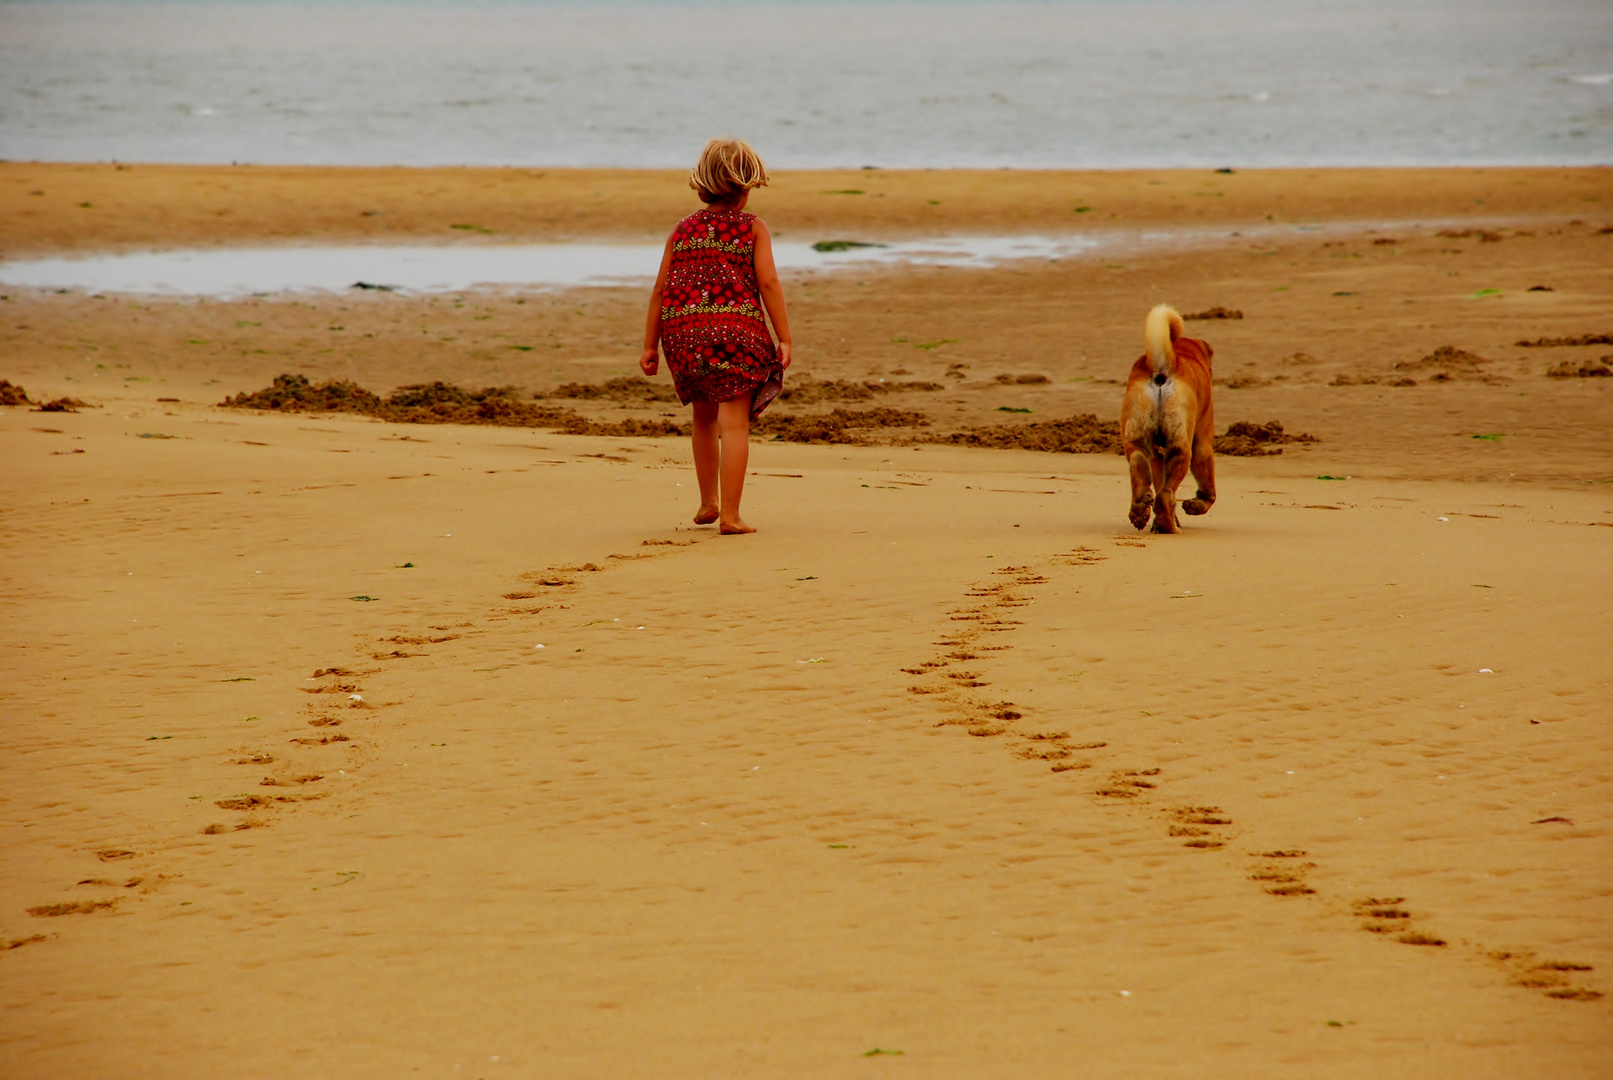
{"x":1142,"y":488}
{"x":1204,"y":474}
{"x":1168,"y":478}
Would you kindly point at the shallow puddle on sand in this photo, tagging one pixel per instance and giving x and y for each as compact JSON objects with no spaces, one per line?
{"x":227,"y":273}
{"x":232,"y":272}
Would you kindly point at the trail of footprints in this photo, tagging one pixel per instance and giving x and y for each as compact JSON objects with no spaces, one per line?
{"x":1282,"y":873}
{"x":338,"y":696}
{"x":293,"y":776}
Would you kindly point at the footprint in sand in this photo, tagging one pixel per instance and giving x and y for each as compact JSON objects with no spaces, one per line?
{"x":240,"y":826}
{"x":70,"y":907}
{"x":1284,"y":878}
{"x":1555,"y":977}
{"x":1081,"y":556}
{"x":32,"y":939}
{"x":1384,"y":915}
{"x":1128,"y":783}
{"x":987,"y":720}
{"x":1200,"y":827}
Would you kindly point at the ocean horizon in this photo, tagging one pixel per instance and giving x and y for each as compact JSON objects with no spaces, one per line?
{"x":812,"y":83}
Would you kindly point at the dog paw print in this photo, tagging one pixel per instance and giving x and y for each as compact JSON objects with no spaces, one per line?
{"x":1384,"y":915}
{"x":1555,"y":978}
{"x":1045,"y":747}
{"x":1283,"y":873}
{"x":1128,"y":783}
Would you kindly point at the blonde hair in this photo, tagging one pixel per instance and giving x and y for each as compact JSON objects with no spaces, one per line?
{"x":727,"y":169}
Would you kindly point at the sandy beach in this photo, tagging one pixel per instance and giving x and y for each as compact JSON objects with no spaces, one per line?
{"x":337,"y":745}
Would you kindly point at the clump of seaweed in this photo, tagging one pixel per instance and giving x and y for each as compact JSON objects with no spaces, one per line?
{"x":621,"y":388}
{"x":805,"y":390}
{"x":1245,"y":439}
{"x":420,"y":403}
{"x":1446,"y":357}
{"x":1570,"y":370}
{"x":294,"y":393}
{"x":837,"y":426}
{"x":1576,"y":339}
{"x":1216,"y":312}
{"x":630,"y":428}
{"x":12,"y":394}
{"x":1080,"y":434}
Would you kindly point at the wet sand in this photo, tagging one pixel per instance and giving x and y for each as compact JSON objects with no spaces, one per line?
{"x":945,"y":762}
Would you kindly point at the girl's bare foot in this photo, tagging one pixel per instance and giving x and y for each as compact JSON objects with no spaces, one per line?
{"x":735,"y":527}
{"x":705,"y":515}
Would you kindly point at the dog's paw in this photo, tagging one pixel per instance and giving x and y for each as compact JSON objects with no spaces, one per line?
{"x":1165,"y":522}
{"x":1140,"y":513}
{"x":1197,"y":506}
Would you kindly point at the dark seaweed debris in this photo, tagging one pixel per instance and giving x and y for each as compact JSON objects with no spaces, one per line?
{"x":1448,"y":357}
{"x":1215,"y":313}
{"x":837,"y":426}
{"x":294,"y":393}
{"x":1081,"y":434}
{"x":843,"y":245}
{"x":805,"y":390}
{"x":12,"y":394}
{"x":439,"y":403}
{"x":1570,"y":370}
{"x":1578,"y":339}
{"x":1245,"y":439}
{"x":622,"y":388}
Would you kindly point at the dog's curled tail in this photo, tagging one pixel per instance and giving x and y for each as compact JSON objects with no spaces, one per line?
{"x":1161,"y":330}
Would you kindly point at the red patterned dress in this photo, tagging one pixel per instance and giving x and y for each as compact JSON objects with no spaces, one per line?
{"x":713,"y":331}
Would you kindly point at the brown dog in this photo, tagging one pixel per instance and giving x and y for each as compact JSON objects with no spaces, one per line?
{"x":1167,"y":424}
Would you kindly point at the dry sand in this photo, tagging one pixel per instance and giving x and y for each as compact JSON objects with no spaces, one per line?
{"x":944,"y":762}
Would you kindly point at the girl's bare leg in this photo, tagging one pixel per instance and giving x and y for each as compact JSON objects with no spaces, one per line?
{"x":706,"y":455}
{"x":733,"y":425}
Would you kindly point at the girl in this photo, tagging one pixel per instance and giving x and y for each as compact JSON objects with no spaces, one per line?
{"x":717,"y":275}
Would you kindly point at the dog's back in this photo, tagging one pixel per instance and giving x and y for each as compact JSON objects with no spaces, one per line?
{"x":1167,"y":420}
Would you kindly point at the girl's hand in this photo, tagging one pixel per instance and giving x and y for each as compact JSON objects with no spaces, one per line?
{"x":772,"y":292}
{"x":649,"y":361}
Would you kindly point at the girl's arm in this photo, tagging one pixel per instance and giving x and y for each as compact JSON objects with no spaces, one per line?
{"x":772,"y":292}
{"x":649,"y":361}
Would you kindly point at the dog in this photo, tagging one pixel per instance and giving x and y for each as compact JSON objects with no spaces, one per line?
{"x":1167,"y":423}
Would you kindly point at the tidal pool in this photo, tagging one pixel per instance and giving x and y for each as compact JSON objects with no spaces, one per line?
{"x":234,"y":272}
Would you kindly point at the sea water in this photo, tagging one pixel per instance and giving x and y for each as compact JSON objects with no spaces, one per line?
{"x":1067,"y":83}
